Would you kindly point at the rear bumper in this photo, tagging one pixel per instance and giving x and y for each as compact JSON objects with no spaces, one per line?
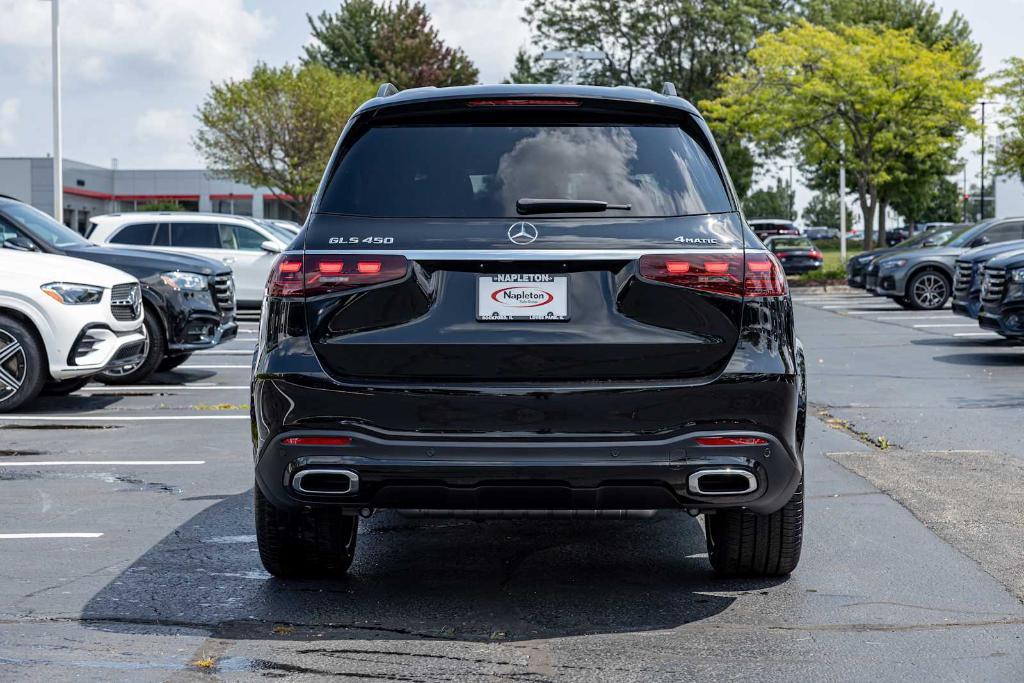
{"x":435,"y":473}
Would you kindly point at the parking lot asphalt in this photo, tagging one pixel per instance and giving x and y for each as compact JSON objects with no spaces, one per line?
{"x":114,"y":569}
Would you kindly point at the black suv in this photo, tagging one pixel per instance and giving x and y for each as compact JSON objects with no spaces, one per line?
{"x":969,"y":273}
{"x":189,"y":301}
{"x":1002,"y":295}
{"x":535,"y":301}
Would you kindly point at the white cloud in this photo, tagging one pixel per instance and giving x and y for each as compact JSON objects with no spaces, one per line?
{"x":170,"y":132}
{"x":489,"y":32}
{"x":197,"y":40}
{"x":8,"y":119}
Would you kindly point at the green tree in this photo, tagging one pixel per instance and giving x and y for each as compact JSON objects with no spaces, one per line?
{"x":914,"y":176}
{"x":938,"y":199}
{"x":387,"y":42}
{"x":772,"y":202}
{"x":823,"y":211}
{"x":277,"y":128}
{"x":887,"y":96}
{"x":692,"y":43}
{"x":1010,"y":86}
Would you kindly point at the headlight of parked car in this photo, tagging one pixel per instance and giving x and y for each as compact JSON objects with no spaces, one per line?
{"x":188,"y":282}
{"x":1017,"y":275}
{"x":72,"y":294}
{"x":889,"y":264}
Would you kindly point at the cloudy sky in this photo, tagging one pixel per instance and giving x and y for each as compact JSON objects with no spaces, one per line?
{"x":135,"y":70}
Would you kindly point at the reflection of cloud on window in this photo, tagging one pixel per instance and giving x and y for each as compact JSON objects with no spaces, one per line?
{"x":580,"y":163}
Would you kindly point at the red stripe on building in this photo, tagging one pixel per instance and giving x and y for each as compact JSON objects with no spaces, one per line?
{"x":278,"y":196}
{"x":87,"y":193}
{"x":230,"y":196}
{"x":177,"y":197}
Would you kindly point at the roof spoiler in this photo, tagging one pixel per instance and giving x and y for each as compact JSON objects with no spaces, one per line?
{"x":387,"y":90}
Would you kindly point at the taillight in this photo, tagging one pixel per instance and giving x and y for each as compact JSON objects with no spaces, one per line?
{"x":732,"y":441}
{"x":815,"y":254}
{"x":313,"y":274}
{"x":317,"y":441}
{"x":521,"y":102}
{"x":759,"y":274}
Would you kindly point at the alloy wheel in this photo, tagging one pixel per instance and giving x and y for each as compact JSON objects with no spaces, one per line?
{"x":930,"y":290}
{"x":13,"y":365}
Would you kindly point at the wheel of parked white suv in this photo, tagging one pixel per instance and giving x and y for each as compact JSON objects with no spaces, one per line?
{"x":22,"y":364}
{"x":304,"y":543}
{"x":928,"y":291}
{"x":743,"y":543}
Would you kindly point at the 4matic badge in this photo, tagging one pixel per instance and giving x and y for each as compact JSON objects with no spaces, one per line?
{"x":695,"y":241}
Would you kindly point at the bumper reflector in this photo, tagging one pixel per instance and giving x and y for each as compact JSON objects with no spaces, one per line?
{"x":732,"y":441}
{"x":317,"y":441}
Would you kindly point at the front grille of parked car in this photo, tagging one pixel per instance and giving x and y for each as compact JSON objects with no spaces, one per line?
{"x":994,"y":285}
{"x":964,"y":277}
{"x":224,"y":292}
{"x":126,"y":301}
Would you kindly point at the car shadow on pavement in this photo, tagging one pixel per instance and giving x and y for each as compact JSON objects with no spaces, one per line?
{"x":425,"y":579}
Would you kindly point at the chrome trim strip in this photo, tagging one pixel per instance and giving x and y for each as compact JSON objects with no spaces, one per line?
{"x":353,"y":482}
{"x":522,"y":254}
{"x":693,"y":482}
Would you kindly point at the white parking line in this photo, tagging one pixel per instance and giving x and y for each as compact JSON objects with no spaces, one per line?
{"x":51,"y":535}
{"x":948,"y":316}
{"x":189,"y":366}
{"x":975,"y":334}
{"x":61,"y":463}
{"x":947,"y":325}
{"x":861,"y":308}
{"x":114,"y":418}
{"x":227,"y":352}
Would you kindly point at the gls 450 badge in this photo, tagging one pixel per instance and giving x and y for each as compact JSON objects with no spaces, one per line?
{"x":696,"y":240}
{"x":361,"y":240}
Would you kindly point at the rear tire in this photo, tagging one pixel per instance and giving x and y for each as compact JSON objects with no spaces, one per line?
{"x":742,"y":543}
{"x":304,"y":544}
{"x":65,"y":387}
{"x":147,"y":366}
{"x":23,"y":364}
{"x":171,"y":362}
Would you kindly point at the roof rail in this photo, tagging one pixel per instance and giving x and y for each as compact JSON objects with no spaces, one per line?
{"x":668,"y":88}
{"x":386,"y":90}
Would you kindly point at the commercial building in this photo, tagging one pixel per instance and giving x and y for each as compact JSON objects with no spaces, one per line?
{"x":94,"y":190}
{"x":1009,"y":194}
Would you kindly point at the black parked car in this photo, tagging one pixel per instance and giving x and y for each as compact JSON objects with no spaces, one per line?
{"x":770,"y":227}
{"x":189,"y":301}
{"x":1002,"y":295}
{"x":796,"y":254}
{"x":969,"y":274}
{"x":479,"y":326}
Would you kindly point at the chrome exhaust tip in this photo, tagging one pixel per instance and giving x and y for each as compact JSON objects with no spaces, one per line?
{"x":325,"y":482}
{"x":722,"y":482}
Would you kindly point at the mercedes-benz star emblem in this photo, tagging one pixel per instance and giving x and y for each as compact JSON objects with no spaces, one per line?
{"x":522,"y":232}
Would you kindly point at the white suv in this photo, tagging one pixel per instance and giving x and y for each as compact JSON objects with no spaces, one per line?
{"x":248,"y":245}
{"x":63,"y":320}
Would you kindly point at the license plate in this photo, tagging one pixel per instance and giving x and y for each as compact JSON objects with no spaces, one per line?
{"x":522,"y":297}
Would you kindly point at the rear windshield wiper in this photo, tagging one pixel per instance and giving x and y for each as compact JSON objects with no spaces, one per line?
{"x":530,"y":206}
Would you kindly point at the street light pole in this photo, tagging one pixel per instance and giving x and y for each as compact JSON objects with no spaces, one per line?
{"x":842,"y":201}
{"x":982,"y":198}
{"x":58,"y":152}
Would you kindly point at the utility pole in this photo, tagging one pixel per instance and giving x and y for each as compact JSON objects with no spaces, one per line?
{"x":842,"y":201}
{"x":792,"y":195}
{"x":58,"y":151}
{"x":966,"y":194}
{"x":982,"y":198}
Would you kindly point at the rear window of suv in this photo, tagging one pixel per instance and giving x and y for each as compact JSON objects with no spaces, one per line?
{"x":466,"y":171}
